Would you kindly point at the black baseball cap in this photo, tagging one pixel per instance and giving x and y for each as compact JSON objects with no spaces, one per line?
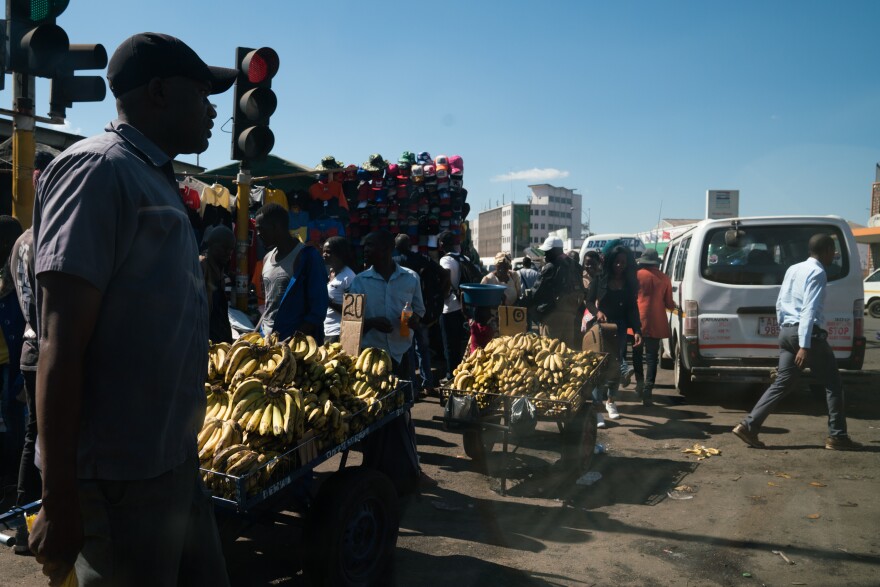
{"x":145,"y":56}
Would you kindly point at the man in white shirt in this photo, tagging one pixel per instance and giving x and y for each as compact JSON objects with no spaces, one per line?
{"x":803,"y":343}
{"x":452,"y":319}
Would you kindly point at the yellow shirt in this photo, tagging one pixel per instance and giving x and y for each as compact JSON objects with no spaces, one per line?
{"x":273,"y":196}
{"x":216,"y":195}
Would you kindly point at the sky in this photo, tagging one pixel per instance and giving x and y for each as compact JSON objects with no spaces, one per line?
{"x":640,"y":106}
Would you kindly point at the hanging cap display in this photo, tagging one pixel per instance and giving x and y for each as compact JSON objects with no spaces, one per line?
{"x":407,"y":157}
{"x":375,"y":163}
{"x":424,"y":158}
{"x":329,"y":163}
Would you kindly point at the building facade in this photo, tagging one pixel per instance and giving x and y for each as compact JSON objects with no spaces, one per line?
{"x":503,"y":229}
{"x":552,"y":209}
{"x":513,"y":228}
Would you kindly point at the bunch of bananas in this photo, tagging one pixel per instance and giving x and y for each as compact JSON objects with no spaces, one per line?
{"x":529,"y":365}
{"x":266,"y":397}
{"x":219,"y":401}
{"x":374,"y":380}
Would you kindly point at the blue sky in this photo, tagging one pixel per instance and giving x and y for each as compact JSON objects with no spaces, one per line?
{"x":633,"y":104}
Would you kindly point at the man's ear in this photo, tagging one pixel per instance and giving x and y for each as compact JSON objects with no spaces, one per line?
{"x":156,"y":92}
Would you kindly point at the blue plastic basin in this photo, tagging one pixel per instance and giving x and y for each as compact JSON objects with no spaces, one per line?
{"x":483,"y":294}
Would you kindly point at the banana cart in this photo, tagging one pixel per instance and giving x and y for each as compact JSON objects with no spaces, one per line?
{"x":482,"y":417}
{"x":349,"y":527}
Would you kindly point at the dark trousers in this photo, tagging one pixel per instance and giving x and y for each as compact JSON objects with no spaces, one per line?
{"x":452,"y":327}
{"x":157,"y":531}
{"x":392,"y":449}
{"x":420,"y":357}
{"x":822,"y":365}
{"x":30,"y":484}
{"x":648,"y":352}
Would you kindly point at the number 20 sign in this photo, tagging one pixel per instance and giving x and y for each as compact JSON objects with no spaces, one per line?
{"x":352,"y":327}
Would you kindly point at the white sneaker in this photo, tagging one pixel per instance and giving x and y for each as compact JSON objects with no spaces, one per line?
{"x":611,"y":407}
{"x":600,"y":421}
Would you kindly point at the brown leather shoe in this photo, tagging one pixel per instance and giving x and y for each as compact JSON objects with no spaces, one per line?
{"x":747,"y":436}
{"x":842,"y":443}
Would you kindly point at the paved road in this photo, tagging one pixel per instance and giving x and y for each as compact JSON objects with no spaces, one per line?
{"x":818,"y":507}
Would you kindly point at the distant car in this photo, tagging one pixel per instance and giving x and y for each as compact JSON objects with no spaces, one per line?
{"x":597,"y":242}
{"x":872,"y":294}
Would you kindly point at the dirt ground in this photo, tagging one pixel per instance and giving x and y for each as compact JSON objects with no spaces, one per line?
{"x":817,"y":507}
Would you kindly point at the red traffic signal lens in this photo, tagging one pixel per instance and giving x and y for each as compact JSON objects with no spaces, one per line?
{"x":260,"y":65}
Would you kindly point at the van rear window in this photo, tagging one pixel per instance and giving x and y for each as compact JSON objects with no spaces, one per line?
{"x":762,"y":254}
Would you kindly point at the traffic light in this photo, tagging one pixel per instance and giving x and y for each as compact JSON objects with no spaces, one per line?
{"x":66,"y":88}
{"x":254,"y":103}
{"x":35,"y":45}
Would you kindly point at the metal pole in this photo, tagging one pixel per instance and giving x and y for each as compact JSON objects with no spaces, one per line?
{"x":242,"y":226}
{"x":23,"y":149}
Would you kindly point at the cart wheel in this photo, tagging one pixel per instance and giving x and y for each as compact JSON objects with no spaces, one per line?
{"x":351,"y":530}
{"x":579,"y":439}
{"x":477,"y":444}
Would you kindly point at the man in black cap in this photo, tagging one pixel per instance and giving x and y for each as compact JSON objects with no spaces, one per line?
{"x":558,"y":293}
{"x":124,"y":335}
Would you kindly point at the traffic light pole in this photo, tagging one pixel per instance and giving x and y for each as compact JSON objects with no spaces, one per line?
{"x":23,"y":149}
{"x":242,"y":226}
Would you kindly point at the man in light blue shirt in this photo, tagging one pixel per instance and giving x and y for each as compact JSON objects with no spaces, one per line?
{"x":803,"y":343}
{"x":388,"y":287}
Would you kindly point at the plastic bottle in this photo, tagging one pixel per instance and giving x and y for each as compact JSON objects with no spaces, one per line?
{"x":405,"y":315}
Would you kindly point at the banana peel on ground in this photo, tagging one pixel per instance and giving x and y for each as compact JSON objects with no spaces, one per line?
{"x":701,"y":451}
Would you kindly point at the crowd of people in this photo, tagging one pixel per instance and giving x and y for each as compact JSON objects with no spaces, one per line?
{"x":109,"y":296}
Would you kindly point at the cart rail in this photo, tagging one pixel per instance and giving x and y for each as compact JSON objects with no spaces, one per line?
{"x":547,"y":409}
{"x":300,"y":460}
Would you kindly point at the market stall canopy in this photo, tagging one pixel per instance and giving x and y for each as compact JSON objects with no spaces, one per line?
{"x":271,"y":166}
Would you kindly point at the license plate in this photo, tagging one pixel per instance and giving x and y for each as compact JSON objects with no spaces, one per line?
{"x":768,"y":326}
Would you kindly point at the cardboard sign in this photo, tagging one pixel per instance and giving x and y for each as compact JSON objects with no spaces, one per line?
{"x":512,"y":320}
{"x":352,"y":327}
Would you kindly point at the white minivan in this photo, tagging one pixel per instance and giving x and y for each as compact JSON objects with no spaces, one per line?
{"x":726,"y":276}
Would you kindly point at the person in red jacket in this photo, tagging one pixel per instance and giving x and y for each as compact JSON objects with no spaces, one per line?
{"x":655,"y":297}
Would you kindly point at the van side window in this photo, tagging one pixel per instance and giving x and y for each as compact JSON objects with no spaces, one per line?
{"x":875,"y":277}
{"x":682,"y":259}
{"x":669,"y":260}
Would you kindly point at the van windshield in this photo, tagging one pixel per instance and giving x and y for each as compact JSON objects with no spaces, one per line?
{"x":763,"y":254}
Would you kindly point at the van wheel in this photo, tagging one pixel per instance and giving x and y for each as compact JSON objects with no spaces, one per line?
{"x":682,"y":375}
{"x":874,"y":309}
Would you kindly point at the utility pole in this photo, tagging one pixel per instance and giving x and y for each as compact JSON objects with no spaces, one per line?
{"x":242,"y":227}
{"x":23,"y":148}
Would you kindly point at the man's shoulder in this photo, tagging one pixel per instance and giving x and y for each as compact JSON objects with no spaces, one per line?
{"x":408,"y":273}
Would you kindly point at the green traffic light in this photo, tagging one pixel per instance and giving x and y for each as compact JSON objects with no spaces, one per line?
{"x":40,"y":10}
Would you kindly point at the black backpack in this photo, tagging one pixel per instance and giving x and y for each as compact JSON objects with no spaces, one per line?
{"x":432,"y":291}
{"x":467,"y":271}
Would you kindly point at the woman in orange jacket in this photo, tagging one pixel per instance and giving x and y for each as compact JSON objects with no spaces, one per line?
{"x":654,"y":298}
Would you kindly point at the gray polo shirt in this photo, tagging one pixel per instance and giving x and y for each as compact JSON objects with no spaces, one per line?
{"x":108,"y":211}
